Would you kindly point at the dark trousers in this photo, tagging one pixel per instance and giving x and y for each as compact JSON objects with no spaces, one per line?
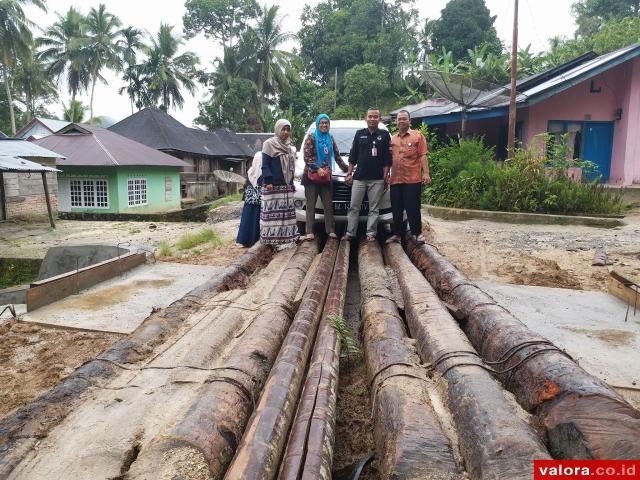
{"x":406,"y":197}
{"x":311,"y":192}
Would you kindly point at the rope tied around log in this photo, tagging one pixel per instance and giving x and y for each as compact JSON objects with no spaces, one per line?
{"x":506,"y":356}
{"x":392,"y":375}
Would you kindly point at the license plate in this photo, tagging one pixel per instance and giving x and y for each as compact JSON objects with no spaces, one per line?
{"x":343,"y":206}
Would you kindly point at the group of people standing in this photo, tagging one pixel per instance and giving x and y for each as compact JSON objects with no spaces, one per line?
{"x":377,"y":162}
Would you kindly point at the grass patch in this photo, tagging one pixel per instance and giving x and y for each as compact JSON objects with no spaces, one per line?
{"x":190,"y":240}
{"x":134,"y":231}
{"x":218,"y":202}
{"x":18,"y":271}
{"x":347,"y":340}
{"x":164,"y":250}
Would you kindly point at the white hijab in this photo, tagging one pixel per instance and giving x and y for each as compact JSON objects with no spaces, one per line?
{"x":255,"y":170}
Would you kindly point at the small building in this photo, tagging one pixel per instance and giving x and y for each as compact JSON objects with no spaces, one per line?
{"x":22,"y":193}
{"x":202,"y":150}
{"x":104,"y":172}
{"x":39,"y":127}
{"x":594,"y":101}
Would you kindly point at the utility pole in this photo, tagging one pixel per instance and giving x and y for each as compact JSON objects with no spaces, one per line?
{"x":514,"y":74}
{"x":335,"y":91}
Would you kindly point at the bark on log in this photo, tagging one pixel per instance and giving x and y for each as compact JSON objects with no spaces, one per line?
{"x":309,"y":453}
{"x":494,"y":441}
{"x":582,"y":415}
{"x":409,"y":441}
{"x":260,"y":450}
{"x":20,"y":430}
{"x":208,"y":435}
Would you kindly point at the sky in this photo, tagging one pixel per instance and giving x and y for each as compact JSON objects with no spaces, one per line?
{"x":539,"y":20}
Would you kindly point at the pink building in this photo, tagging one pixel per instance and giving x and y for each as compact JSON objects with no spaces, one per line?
{"x":595,"y":100}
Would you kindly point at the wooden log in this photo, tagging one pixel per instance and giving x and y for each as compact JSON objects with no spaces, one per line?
{"x":409,"y":442}
{"x":20,"y":430}
{"x":258,"y":455}
{"x":494,"y":440}
{"x":309,"y":452}
{"x":212,"y":426}
{"x":544,"y":380}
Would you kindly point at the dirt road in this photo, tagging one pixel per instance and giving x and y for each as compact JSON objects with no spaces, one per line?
{"x":544,"y":255}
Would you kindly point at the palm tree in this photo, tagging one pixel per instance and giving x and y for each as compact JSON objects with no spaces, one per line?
{"x":15,"y":39}
{"x":236,"y":63}
{"x":168,"y":72}
{"x":65,"y":51}
{"x":272,"y":64}
{"x":102,"y":30}
{"x":129,"y":45}
{"x":32,"y":80}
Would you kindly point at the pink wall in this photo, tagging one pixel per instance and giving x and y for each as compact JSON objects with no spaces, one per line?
{"x":619,"y":88}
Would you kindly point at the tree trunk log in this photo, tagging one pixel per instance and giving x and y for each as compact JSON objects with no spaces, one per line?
{"x":208,"y":435}
{"x":583,"y":417}
{"x":494,"y":441}
{"x":409,"y":442}
{"x":258,"y":455}
{"x":20,"y":430}
{"x":309,"y":453}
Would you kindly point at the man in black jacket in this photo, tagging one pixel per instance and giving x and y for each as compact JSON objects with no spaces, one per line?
{"x":371,"y":157}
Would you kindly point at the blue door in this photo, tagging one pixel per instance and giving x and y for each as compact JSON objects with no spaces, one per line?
{"x":598,"y":142}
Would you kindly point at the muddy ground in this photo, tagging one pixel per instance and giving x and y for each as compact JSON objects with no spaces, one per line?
{"x":35,"y":358}
{"x":544,"y":255}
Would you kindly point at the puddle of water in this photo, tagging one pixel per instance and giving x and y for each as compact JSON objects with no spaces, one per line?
{"x":609,"y":336}
{"x":114,"y":294}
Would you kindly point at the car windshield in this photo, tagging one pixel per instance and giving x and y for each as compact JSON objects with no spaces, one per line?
{"x":343,"y":136}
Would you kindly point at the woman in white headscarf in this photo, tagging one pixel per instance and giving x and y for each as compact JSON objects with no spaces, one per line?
{"x":277,"y":214}
{"x":249,"y":230}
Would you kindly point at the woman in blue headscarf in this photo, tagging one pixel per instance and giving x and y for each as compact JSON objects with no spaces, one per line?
{"x":321,"y":154}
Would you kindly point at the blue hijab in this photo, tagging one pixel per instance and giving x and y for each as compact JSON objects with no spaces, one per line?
{"x":324,"y":144}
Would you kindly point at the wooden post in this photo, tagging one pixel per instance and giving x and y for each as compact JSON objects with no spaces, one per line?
{"x":46,"y":196}
{"x":3,"y":211}
{"x":514,"y":74}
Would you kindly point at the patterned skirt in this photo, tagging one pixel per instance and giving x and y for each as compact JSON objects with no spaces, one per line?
{"x":278,"y":215}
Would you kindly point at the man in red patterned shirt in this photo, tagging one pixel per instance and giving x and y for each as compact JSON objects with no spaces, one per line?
{"x":409,"y":171}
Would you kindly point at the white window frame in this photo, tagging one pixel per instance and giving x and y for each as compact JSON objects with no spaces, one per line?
{"x":94,"y":184}
{"x":132,"y":201}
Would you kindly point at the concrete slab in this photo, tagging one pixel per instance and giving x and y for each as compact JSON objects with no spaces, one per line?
{"x":590,"y":326}
{"x":20,"y":308}
{"x":121,"y":304}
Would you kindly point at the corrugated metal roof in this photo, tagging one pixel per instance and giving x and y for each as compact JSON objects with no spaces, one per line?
{"x":159,"y":130}
{"x":16,"y":147}
{"x":53,"y":124}
{"x":97,"y":146}
{"x":9,"y":163}
{"x":531,"y":90}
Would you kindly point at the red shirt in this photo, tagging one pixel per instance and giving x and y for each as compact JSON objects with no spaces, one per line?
{"x":407,"y":151}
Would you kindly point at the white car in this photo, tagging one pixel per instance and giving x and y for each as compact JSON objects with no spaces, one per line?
{"x":343,"y":131}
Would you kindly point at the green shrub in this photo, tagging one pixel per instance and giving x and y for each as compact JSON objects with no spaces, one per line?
{"x":465,"y":175}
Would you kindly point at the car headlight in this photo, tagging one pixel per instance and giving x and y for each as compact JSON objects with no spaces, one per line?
{"x":298,"y":204}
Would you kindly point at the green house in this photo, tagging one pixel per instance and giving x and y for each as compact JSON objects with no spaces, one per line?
{"x":104,"y":172}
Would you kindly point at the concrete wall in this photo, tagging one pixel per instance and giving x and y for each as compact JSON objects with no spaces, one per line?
{"x":163,"y":188}
{"x":103,"y":173}
{"x":24,"y":192}
{"x":619,"y":88}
